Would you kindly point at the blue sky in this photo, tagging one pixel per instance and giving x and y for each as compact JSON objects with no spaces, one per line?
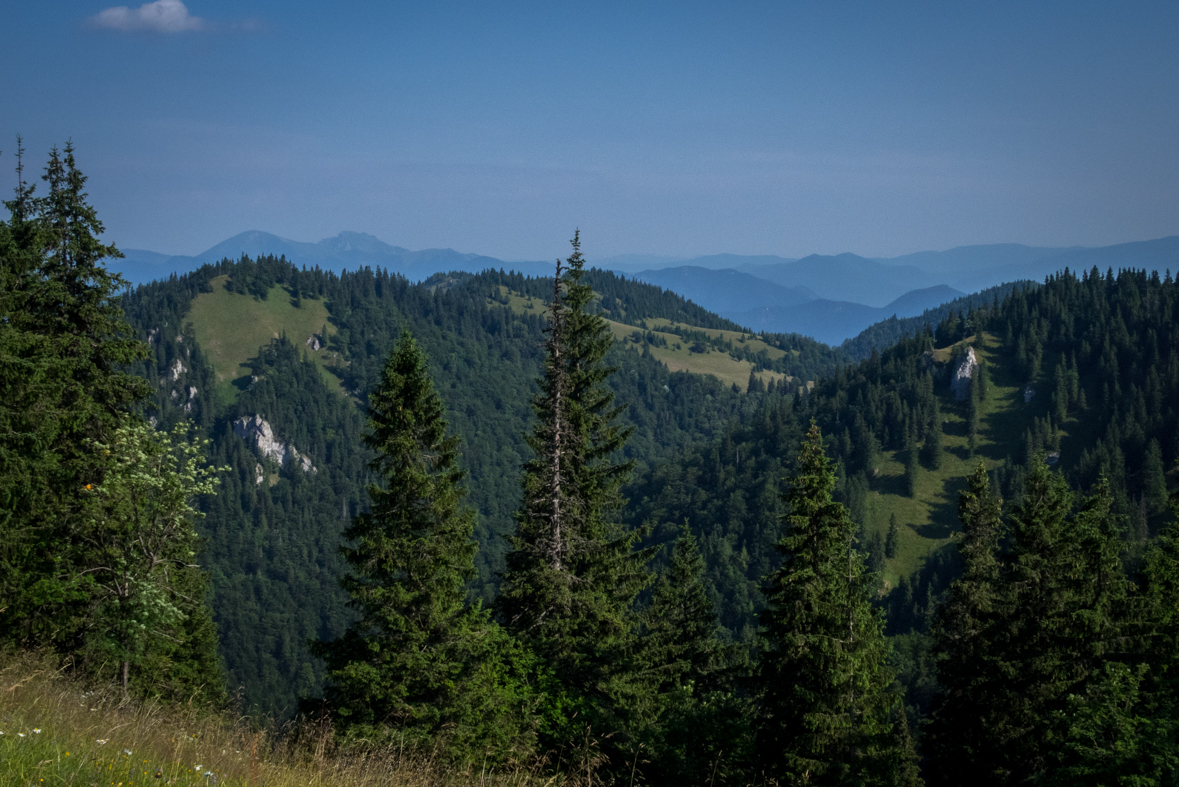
{"x":671,"y":128}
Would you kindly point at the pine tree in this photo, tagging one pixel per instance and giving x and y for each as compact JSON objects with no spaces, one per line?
{"x":912,"y":469}
{"x":418,"y":659}
{"x":973,"y":415}
{"x":933,"y":438}
{"x":698,"y":724}
{"x":825,"y":706}
{"x":65,"y":480}
{"x":573,"y":572}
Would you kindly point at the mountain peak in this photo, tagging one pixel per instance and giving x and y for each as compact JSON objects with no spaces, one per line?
{"x":361,"y":242}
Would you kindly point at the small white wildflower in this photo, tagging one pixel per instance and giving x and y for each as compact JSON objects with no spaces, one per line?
{"x":21,"y":734}
{"x":37,"y":730}
{"x":197,"y":767}
{"x":100,"y":741}
{"x":127,"y":752}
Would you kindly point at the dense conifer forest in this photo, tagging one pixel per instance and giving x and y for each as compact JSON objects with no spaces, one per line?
{"x":506,"y":533}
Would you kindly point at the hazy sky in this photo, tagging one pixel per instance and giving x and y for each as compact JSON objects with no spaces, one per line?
{"x":671,"y":128}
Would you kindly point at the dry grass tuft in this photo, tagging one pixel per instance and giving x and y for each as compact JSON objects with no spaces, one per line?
{"x":56,"y":731}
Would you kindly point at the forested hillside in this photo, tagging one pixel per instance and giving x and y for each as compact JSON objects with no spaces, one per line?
{"x":1082,"y":371}
{"x":707,"y":454}
{"x":273,"y":534}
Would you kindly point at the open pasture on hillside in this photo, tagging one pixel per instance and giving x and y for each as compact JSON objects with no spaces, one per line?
{"x":929,"y":520}
{"x":677,"y":355}
{"x":231,"y":327}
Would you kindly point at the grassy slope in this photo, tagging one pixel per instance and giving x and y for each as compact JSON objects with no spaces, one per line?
{"x":676,"y":356}
{"x":929,"y":520}
{"x":53,"y":731}
{"x":231,"y":327}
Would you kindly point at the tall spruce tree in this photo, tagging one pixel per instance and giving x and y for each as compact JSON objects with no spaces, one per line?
{"x":419,"y":659}
{"x":960,"y":721}
{"x":826,"y":709}
{"x":573,"y":572}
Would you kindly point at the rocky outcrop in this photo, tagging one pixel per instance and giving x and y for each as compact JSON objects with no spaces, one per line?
{"x":257,"y":430}
{"x":964,"y":372}
{"x":177,"y":370}
{"x":313,"y":342}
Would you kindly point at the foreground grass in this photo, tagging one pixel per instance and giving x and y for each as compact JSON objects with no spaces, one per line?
{"x":55,"y":731}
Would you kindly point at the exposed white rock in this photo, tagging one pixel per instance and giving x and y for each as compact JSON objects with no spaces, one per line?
{"x":314,"y":342}
{"x":963,"y":374}
{"x":177,"y":370}
{"x":192,"y":392}
{"x":153,"y":335}
{"x":257,"y":430}
{"x":259,"y":474}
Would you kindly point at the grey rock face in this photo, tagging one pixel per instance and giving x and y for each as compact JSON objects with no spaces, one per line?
{"x":257,"y":430}
{"x":963,"y":373}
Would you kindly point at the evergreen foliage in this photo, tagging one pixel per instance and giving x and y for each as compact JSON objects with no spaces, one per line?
{"x":573,"y":573}
{"x":97,"y":548}
{"x":1033,"y":637}
{"x":419,"y":659}
{"x":826,"y":712}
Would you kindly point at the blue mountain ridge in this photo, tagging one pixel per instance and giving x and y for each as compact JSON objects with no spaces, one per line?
{"x":828,"y":297}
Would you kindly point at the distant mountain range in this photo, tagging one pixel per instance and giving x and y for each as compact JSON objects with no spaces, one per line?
{"x":346,"y":251}
{"x":828,"y":297}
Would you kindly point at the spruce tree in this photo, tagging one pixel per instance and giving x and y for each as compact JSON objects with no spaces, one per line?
{"x":826,"y":711}
{"x":573,"y":572}
{"x":697,"y":723}
{"x":418,"y":659}
{"x":891,"y":542}
{"x":681,"y":644}
{"x":959,"y":728}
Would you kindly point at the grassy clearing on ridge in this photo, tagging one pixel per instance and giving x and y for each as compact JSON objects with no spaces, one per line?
{"x":231,"y":327}
{"x":675,"y":356}
{"x":929,"y":520}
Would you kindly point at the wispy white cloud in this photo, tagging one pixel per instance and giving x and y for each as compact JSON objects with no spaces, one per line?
{"x":162,"y":16}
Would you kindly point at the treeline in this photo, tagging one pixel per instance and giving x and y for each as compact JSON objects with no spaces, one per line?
{"x":1052,"y":656}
